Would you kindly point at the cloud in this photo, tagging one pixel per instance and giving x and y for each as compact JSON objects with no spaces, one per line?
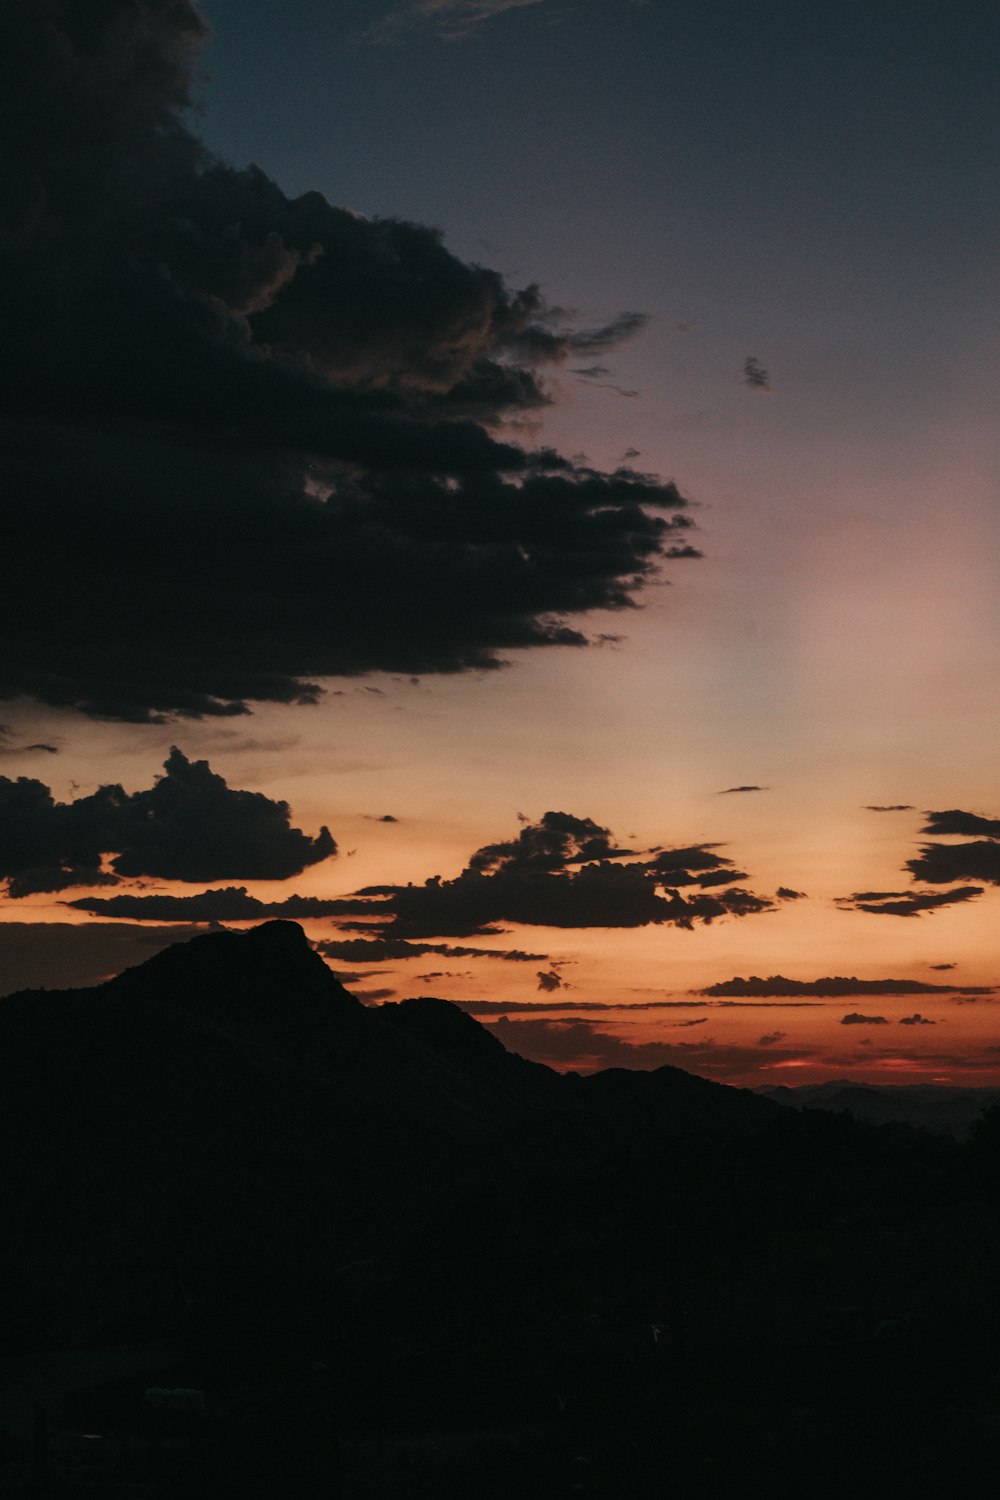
{"x":906,"y":903}
{"x":961,"y":823}
{"x":696,"y":864}
{"x":188,"y":826}
{"x":916,"y":1020}
{"x":942,"y":966}
{"x":785,"y":893}
{"x":565,"y":871}
{"x":832,"y":988}
{"x":377,"y":949}
{"x":10,"y":750}
{"x":556,"y":841}
{"x":583,"y":1046}
{"x":771,"y":1038}
{"x":253,"y":439}
{"x":769,"y":1005}
{"x":890,"y":807}
{"x":228,"y":904}
{"x":533,"y":1007}
{"x":62,"y":955}
{"x":549,"y":981}
{"x":942,"y":863}
{"x":729,"y":790}
{"x":855,"y":1018}
{"x":454,"y":20}
{"x":755,"y":376}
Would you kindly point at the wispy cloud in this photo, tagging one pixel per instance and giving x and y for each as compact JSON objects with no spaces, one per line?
{"x":451,"y":19}
{"x":755,"y":375}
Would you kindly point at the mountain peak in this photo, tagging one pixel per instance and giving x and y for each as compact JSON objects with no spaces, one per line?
{"x":280,"y":937}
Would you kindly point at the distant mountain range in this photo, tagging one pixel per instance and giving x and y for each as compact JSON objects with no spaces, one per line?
{"x":942,"y":1108}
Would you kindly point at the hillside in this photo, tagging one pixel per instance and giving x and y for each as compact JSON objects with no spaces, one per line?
{"x":224,"y":1150}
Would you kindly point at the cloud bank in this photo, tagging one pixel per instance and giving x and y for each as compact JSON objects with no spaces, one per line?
{"x":251,"y":441}
{"x":833,"y":987}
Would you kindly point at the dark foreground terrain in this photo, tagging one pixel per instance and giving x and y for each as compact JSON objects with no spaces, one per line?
{"x":385,"y":1258}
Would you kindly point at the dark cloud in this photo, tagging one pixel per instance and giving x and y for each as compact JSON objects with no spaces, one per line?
{"x":961,"y":823}
{"x":729,"y":790}
{"x":549,"y":980}
{"x":916,"y":1020}
{"x":376,"y":949}
{"x":693,"y":865}
{"x":376,"y":818}
{"x":565,"y":871}
{"x":942,"y":966}
{"x":771,"y":1038}
{"x":890,"y":807}
{"x":721,"y":877}
{"x":228,"y":904}
{"x":61,"y":955}
{"x":250,"y":438}
{"x":10,"y":749}
{"x":906,"y":903}
{"x":598,"y":895}
{"x":855,"y":1018}
{"x":557,"y":840}
{"x":534,"y":1007}
{"x":785,"y":893}
{"x":942,"y":863}
{"x":755,"y":376}
{"x":831,"y":988}
{"x":188,"y":826}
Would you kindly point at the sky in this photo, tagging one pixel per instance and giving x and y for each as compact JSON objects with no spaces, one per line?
{"x":512,"y":485}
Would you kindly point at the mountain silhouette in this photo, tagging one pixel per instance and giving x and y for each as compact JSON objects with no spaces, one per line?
{"x":223,"y":1146}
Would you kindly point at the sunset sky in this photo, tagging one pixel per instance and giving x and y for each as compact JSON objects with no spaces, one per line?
{"x":563,"y":467}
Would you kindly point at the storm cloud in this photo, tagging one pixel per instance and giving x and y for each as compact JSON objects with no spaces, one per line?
{"x":188,"y":826}
{"x":252,"y":440}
